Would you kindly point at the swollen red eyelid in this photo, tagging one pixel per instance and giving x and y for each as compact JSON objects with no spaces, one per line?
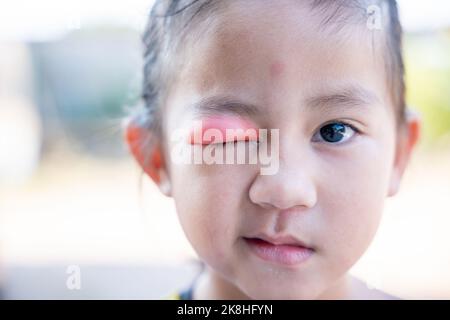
{"x":214,"y":130}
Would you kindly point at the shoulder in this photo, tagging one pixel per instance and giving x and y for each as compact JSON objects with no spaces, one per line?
{"x":173,"y":296}
{"x":376,"y":294}
{"x":185,"y":294}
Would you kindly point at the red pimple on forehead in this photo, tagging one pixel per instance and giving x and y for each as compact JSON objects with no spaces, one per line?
{"x":276,"y":69}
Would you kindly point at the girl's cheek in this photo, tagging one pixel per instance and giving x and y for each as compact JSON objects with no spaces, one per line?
{"x":221,"y":130}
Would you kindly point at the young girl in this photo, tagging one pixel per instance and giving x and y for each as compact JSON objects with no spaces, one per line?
{"x":327,"y":76}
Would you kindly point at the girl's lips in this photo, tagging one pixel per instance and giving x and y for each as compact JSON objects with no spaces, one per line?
{"x":286,"y":254}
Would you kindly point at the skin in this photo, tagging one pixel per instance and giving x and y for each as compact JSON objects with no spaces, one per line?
{"x":330,"y":196}
{"x":221,"y":125}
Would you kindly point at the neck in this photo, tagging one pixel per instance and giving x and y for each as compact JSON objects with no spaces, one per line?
{"x":341,"y":289}
{"x":212,"y":286}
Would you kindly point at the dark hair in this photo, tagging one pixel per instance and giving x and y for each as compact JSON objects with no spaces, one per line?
{"x":168,"y":24}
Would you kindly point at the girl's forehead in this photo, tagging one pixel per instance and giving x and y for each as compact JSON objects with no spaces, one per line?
{"x":279,"y":49}
{"x":267,"y":55}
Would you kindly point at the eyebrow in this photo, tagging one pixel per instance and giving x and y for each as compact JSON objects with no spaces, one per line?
{"x":354,"y":96}
{"x":224,"y":104}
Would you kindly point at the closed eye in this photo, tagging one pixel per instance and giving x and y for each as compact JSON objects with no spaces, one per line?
{"x":235,"y":142}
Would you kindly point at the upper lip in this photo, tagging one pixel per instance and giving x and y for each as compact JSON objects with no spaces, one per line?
{"x":281,"y":240}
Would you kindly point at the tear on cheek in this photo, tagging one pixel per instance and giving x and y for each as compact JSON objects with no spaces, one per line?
{"x":222,"y":130}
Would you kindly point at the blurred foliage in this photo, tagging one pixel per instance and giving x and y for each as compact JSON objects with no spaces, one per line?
{"x":427,"y":62}
{"x":84,"y":84}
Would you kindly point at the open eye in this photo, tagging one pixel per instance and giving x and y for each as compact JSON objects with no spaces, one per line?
{"x":335,"y":133}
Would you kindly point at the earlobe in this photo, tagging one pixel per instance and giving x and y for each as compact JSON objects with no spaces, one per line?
{"x":394,"y":184}
{"x":147,"y":152}
{"x":165,"y":186}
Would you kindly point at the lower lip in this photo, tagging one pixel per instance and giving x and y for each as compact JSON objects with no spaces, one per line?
{"x":282,"y":254}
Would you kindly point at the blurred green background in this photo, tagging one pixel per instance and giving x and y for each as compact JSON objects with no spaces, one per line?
{"x":427,"y":62}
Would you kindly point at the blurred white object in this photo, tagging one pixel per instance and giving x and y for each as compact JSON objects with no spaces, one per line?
{"x":20,"y":128}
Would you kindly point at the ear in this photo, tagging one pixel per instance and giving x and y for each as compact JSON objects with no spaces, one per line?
{"x":148,"y":152}
{"x":408,"y":136}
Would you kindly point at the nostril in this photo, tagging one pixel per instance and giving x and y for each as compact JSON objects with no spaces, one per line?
{"x":266,"y":205}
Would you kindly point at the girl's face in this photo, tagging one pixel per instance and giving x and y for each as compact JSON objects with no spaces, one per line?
{"x":328,"y":193}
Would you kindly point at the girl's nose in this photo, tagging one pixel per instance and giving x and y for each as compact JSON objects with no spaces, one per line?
{"x":292,"y":186}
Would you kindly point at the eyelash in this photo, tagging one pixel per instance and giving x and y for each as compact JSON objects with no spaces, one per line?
{"x":339,"y":122}
{"x":237,"y":141}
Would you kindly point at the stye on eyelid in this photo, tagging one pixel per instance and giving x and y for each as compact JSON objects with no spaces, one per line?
{"x":222,"y":124}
